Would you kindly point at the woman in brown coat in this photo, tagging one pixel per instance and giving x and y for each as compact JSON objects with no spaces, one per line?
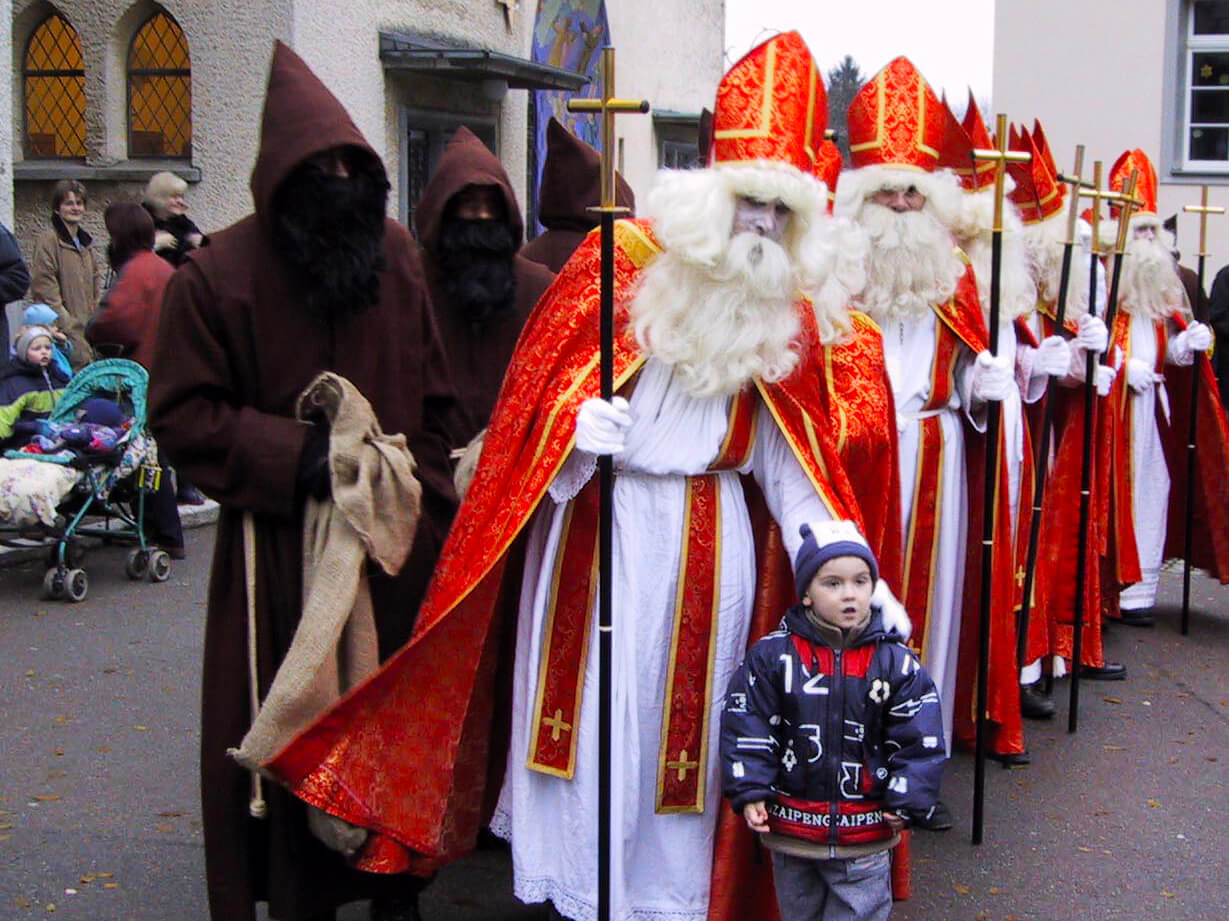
{"x":65,"y":271}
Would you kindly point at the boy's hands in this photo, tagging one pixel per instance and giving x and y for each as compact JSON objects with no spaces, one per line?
{"x":757,"y":816}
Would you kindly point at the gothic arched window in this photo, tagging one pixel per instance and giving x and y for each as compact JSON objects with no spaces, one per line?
{"x":159,"y":90}
{"x":54,"y":86}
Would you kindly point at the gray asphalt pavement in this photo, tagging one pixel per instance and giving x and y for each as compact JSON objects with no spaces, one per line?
{"x":100,"y":814}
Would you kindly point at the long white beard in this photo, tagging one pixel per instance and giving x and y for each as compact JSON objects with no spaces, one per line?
{"x":1043,"y":243}
{"x":912,"y":263}
{"x":1017,"y":293}
{"x":721,"y":326}
{"x":1149,"y":285}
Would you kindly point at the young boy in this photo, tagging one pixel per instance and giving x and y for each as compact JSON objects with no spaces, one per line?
{"x":831,"y":735}
{"x":44,"y":315}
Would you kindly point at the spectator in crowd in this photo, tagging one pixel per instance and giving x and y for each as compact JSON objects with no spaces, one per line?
{"x":29,"y":372}
{"x":61,"y":348}
{"x":14,"y":277}
{"x":66,"y":273}
{"x":126,"y":326}
{"x":175,"y":235}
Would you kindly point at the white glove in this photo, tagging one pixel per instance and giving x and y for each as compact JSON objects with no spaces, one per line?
{"x":1105,"y":379}
{"x":895,"y":617}
{"x":601,"y":427}
{"x":1053,"y":356}
{"x":1140,"y":376}
{"x":992,"y":378}
{"x":1195,"y":338}
{"x":1093,"y":336}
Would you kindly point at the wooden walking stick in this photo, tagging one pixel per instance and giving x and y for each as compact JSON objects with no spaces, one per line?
{"x":1047,"y":424}
{"x":1203,"y":211}
{"x":606,"y":107}
{"x":999,"y":156}
{"x":1127,"y":201}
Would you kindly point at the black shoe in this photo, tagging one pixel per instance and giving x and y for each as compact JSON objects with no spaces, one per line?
{"x":936,"y":818}
{"x":1110,"y":671}
{"x":189,"y":495}
{"x":1137,"y":619}
{"x":1034,"y":704}
{"x":1010,"y":759}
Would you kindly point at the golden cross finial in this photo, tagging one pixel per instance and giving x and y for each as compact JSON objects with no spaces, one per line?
{"x":1096,"y":193}
{"x":1203,"y":211}
{"x":1127,"y":202}
{"x":1076,"y":181}
{"x":607,"y":106}
{"x":1000,"y":155}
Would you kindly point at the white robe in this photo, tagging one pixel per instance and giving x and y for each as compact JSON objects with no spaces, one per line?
{"x":1150,"y":472}
{"x":661,"y":870}
{"x":909,"y":350}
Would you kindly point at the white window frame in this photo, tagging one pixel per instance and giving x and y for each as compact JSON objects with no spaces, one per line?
{"x":1191,"y":45}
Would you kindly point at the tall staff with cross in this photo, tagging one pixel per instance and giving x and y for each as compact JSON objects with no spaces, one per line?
{"x":1000,"y":157}
{"x":1203,"y":210}
{"x":1127,"y":201}
{"x":606,"y":106}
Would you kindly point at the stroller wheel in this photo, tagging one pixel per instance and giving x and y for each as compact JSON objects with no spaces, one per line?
{"x":53,"y":583}
{"x":137,"y":564}
{"x":159,"y":566}
{"x":76,"y":584}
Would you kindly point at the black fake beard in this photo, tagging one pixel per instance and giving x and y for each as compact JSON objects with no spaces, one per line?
{"x":477,"y":268}
{"x":329,"y":232}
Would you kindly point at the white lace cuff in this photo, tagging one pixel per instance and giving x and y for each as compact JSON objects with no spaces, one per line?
{"x":572,"y":476}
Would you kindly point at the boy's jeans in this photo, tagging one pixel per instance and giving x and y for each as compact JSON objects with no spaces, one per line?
{"x":857,"y":889}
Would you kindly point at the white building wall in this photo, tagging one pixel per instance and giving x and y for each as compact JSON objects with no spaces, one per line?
{"x":669,"y":54}
{"x":1094,"y":72}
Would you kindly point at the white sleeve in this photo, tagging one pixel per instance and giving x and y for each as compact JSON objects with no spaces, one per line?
{"x":787,"y":489}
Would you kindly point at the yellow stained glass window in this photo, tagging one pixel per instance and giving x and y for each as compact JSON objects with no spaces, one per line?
{"x":159,"y":90}
{"x":54,"y":77}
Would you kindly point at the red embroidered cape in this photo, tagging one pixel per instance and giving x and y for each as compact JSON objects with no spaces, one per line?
{"x":416,"y":753}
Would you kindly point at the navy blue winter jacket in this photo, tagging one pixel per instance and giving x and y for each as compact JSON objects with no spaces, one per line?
{"x":828,"y":738}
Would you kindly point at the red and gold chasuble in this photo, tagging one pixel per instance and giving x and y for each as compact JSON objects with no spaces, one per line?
{"x":688,"y":692}
{"x":417,"y":752}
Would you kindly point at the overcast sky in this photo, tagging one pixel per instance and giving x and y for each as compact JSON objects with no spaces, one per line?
{"x":950,"y":41}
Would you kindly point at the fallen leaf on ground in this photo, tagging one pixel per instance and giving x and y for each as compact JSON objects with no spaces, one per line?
{"x":164,"y":827}
{"x":963,"y":890}
{"x":1086,"y":850}
{"x":23,"y":902}
{"x":1153,"y":803}
{"x":1112,"y":700}
{"x":104,"y":749}
{"x":31,"y":673}
{"x":103,"y":875}
{"x":110,"y":885}
{"x":140,"y":728}
{"x":983,"y":916}
{"x":1209,"y":758}
{"x":170,"y":813}
{"x":995,"y":890}
{"x":1168,"y":894}
{"x":46,"y":797}
{"x":1114,"y":748}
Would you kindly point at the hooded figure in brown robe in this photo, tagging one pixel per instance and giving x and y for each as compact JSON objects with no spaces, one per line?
{"x":482,"y":289}
{"x":316,"y":279}
{"x":571,"y":185}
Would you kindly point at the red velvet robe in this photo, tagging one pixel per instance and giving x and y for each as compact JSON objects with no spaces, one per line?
{"x":417,"y":752}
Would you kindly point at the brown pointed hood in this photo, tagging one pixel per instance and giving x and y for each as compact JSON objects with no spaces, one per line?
{"x":466,"y":161}
{"x":301,"y":119}
{"x":571,"y":183}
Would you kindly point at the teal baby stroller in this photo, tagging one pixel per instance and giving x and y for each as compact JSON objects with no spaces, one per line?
{"x":98,"y":486}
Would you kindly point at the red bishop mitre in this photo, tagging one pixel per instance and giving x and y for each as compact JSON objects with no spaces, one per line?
{"x":771,"y":105}
{"x":1145,"y":187}
{"x":1042,"y":143}
{"x":1038,"y":193}
{"x":959,"y":143}
{"x":828,"y":168}
{"x":897,"y":120}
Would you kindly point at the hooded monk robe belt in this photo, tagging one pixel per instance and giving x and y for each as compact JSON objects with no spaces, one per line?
{"x":688,"y":691}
